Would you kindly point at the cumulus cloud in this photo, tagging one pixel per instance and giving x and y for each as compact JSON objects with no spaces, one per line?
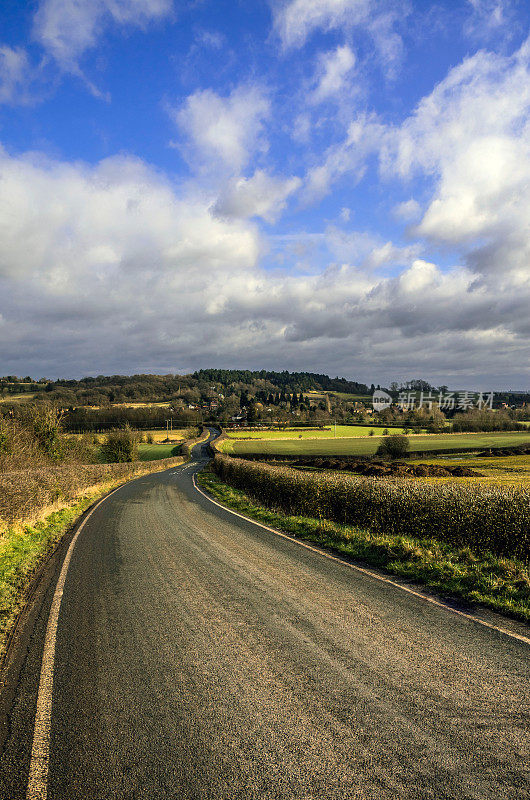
{"x":296,"y":20}
{"x":86,"y":229}
{"x":471,"y":135}
{"x":110,"y":265}
{"x":262,"y":195}
{"x":332,"y":74}
{"x":68,"y":28}
{"x":223,"y":132}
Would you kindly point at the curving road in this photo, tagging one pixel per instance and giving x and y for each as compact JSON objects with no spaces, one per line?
{"x":201,"y":656}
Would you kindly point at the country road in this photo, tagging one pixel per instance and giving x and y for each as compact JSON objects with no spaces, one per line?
{"x":201,"y":656}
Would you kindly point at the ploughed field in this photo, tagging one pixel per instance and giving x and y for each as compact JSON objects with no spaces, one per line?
{"x":367,"y":445}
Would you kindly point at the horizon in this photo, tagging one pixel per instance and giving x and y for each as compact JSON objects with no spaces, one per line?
{"x":351,"y":379}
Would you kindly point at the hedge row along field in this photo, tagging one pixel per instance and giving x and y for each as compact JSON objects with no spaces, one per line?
{"x":483,"y":518}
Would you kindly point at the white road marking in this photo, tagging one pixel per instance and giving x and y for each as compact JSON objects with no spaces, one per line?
{"x":426,"y":598}
{"x":40,"y":752}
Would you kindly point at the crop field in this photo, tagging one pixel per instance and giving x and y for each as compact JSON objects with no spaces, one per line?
{"x":343,"y":431}
{"x":152,"y":452}
{"x":159,"y":435}
{"x":367,"y":445}
{"x":139,"y":404}
{"x":179,"y":434}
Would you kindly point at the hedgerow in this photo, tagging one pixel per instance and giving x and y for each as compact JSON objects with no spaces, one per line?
{"x":484,"y":518}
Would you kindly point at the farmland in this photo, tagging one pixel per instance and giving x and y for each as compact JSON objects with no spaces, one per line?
{"x":177,"y":434}
{"x":153,"y":452}
{"x":343,"y":432}
{"x":367,"y":445}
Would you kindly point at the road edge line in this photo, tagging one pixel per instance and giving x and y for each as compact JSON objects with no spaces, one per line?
{"x":331,"y":557}
{"x":37,"y":788}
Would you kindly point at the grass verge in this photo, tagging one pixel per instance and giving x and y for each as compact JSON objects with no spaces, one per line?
{"x":500,"y":584}
{"x":22,"y":550}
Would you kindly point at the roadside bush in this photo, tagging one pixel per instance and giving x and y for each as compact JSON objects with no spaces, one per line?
{"x":120,"y":447}
{"x":484,"y":518}
{"x":47,"y":431}
{"x":395,"y":446}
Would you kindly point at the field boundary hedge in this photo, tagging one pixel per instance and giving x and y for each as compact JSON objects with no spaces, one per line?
{"x":495,"y":519}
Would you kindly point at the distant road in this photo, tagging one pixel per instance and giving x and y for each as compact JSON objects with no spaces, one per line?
{"x":201,"y":656}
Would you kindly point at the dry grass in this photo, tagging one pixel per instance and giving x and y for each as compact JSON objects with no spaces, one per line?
{"x":26,"y":494}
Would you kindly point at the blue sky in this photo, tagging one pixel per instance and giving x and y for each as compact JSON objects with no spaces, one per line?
{"x":331,"y":185}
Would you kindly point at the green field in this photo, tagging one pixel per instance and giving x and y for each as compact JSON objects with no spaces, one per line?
{"x":343,"y":432}
{"x":367,"y":445}
{"x":152,"y":452}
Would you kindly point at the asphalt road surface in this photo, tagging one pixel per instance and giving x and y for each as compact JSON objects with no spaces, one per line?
{"x":200,"y":656}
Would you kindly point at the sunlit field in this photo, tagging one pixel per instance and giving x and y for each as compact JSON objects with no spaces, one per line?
{"x":501,"y":471}
{"x":367,"y":445}
{"x":342,"y":431}
{"x":152,"y":452}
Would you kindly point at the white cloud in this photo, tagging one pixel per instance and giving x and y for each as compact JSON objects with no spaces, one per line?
{"x":301,"y":131}
{"x":471,"y":135}
{"x":68,"y":28}
{"x":296,"y":20}
{"x":261,"y":195}
{"x":332,"y":74}
{"x":224,"y":131}
{"x":364,"y":137}
{"x":407,"y":211}
{"x":113,"y":268}
{"x":16,"y":76}
{"x":368,"y":250}
{"x":108,"y":268}
{"x":488,"y":18}
{"x":81,"y":225}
